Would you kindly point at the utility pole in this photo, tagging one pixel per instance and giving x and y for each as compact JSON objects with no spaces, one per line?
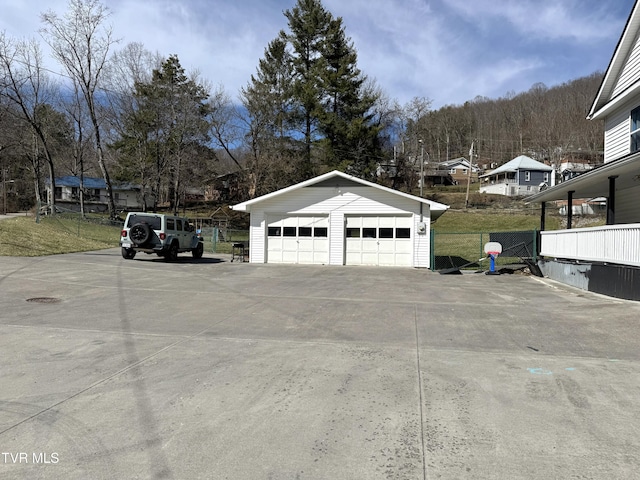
{"x":466,"y":200}
{"x":4,"y":191}
{"x":421,"y":168}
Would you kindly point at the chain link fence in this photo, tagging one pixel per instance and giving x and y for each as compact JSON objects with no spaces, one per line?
{"x":466,"y":250}
{"x":77,"y":224}
{"x":221,"y":240}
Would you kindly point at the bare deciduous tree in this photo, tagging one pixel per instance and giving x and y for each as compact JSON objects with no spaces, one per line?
{"x":81,"y":41}
{"x":26,"y":86}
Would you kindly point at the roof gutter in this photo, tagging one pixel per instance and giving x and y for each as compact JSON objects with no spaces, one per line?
{"x":615,"y":103}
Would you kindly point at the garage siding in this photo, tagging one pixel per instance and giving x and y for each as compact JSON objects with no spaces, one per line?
{"x":422,"y":242}
{"x":354,"y":200}
{"x":257,"y":237}
{"x":336,"y":238}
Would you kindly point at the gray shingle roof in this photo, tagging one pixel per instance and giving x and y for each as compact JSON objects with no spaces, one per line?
{"x":520,"y":163}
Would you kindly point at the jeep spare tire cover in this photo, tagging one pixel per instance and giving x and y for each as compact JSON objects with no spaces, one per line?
{"x":140,"y":233}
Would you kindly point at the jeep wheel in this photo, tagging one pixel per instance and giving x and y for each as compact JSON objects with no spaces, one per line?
{"x":140,"y":233}
{"x":128,"y":253}
{"x":172,"y":253}
{"x":198,"y":251}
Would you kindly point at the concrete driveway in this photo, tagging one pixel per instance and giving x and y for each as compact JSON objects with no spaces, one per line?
{"x":118,"y":369}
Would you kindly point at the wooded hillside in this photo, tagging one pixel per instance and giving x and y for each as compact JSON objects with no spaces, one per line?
{"x":543,"y":123}
{"x":138,"y":117}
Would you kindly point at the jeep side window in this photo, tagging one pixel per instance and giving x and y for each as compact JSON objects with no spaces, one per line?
{"x":171,"y":224}
{"x":178,"y":224}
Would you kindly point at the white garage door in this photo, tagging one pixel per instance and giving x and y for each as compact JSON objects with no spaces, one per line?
{"x":298,"y":239}
{"x":379,"y":241}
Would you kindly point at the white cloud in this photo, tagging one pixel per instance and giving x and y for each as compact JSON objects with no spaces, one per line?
{"x":447,"y":50}
{"x":579,"y":20}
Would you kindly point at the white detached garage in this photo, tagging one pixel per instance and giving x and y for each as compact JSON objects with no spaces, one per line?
{"x":338,"y":219}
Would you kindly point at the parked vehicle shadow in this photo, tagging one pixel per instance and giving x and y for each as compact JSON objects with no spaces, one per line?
{"x":181,"y":259}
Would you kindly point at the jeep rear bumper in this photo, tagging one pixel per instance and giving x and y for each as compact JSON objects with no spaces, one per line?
{"x":159,"y":249}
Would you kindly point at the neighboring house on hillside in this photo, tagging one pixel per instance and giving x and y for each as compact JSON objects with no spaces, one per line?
{"x":569,"y":170}
{"x":571,"y":167}
{"x":224,"y":188}
{"x":458,"y":168}
{"x":519,"y":177}
{"x":605,"y":259}
{"x":337,"y":219}
{"x":577,"y":162}
{"x":435,"y":174}
{"x":67,"y":194}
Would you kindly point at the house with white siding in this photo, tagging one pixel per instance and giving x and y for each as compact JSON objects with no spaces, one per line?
{"x":605,"y":259}
{"x":338,"y":219}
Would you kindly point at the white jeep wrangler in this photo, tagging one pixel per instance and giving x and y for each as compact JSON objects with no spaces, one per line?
{"x":164,"y":235}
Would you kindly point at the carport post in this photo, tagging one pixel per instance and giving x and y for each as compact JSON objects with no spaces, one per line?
{"x":569,"y":208}
{"x":611,"y":201}
{"x":543,"y":209}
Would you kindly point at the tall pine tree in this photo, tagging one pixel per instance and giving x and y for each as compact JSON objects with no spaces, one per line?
{"x":350,"y":138}
{"x":268,"y":100}
{"x":325,"y":107}
{"x":170,"y":121}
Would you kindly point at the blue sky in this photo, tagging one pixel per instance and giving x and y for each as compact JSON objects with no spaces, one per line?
{"x":449,"y":51}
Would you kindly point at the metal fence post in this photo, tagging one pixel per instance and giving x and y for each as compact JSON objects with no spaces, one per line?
{"x":432,"y":260}
{"x":214,"y":239}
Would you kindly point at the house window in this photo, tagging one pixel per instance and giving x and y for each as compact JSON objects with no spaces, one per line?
{"x":546,"y":177}
{"x":273,"y":232}
{"x":635,"y":129}
{"x":527,"y":176}
{"x":320,"y":232}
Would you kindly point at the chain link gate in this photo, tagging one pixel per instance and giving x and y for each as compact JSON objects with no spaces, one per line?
{"x":466,"y":250}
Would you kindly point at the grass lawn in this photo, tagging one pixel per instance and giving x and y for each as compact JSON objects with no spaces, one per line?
{"x":23,"y":237}
{"x":463,"y":221}
{"x":460,"y":236}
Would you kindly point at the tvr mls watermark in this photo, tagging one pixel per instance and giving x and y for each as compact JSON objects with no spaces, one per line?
{"x":40,"y":458}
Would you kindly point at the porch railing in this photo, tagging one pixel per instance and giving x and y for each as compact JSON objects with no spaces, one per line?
{"x":611,"y":243}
